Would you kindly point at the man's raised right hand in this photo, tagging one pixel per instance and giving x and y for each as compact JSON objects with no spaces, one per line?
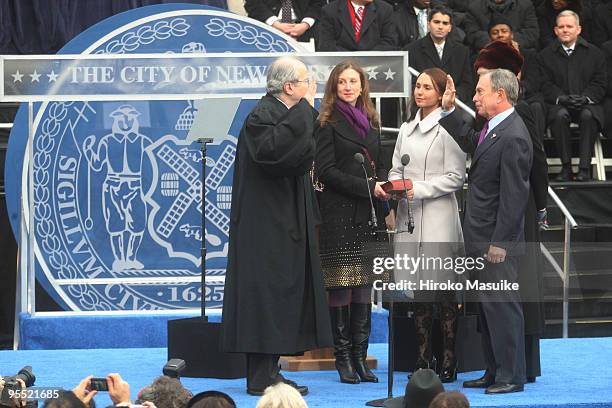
{"x":448,"y":99}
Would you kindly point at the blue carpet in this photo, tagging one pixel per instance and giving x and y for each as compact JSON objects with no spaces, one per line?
{"x":576,"y":373}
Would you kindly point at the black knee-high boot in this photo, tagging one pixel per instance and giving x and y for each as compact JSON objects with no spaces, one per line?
{"x":361,"y":326}
{"x":341,"y":330}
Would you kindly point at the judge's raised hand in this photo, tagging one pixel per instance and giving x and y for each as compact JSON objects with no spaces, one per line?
{"x":312,"y":90}
{"x":448,"y":99}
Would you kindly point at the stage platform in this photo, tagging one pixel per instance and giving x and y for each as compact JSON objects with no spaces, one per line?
{"x":575,"y":374}
{"x":59,"y":330}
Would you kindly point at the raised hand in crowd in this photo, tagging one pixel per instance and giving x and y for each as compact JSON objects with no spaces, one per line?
{"x":118,"y":389}
{"x":83,"y":392}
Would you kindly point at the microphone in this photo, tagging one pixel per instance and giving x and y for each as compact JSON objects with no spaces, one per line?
{"x":358,"y":157}
{"x":410,"y":223}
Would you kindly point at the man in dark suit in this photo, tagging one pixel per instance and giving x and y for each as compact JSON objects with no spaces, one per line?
{"x":297,"y":19}
{"x":520,"y":13}
{"x":494,"y":217}
{"x":502,"y":54}
{"x":573,"y":74}
{"x":437,"y":50}
{"x":602,"y":23}
{"x":342,"y":28}
{"x":411,"y":20}
{"x":500,"y":29}
{"x":411,"y":17}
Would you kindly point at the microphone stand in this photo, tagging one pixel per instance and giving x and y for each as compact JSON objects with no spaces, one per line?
{"x":391,"y":345}
{"x":203,"y":142}
{"x":410,"y":219}
{"x":374,"y":220}
{"x":390,"y":352}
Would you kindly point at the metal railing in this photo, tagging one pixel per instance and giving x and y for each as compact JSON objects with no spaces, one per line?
{"x":564,"y":273}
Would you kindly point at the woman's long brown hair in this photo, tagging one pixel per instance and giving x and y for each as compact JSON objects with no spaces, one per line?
{"x":331,"y":94}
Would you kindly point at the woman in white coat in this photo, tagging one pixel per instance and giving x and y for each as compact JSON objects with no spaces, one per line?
{"x":437,"y":171}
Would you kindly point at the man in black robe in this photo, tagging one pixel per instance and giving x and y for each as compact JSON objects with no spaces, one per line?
{"x":274,"y":295}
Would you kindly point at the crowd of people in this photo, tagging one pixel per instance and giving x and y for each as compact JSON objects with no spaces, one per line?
{"x":424,"y":390}
{"x":566,"y":45}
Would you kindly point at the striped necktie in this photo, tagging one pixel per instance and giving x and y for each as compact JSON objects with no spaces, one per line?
{"x":422,"y":20}
{"x":358,"y":21}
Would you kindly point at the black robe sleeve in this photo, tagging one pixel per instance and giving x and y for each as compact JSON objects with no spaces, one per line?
{"x":282,"y":146}
{"x":539,"y":168}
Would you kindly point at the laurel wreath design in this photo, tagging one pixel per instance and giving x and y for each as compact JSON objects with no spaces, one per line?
{"x":246,"y":33}
{"x":146,"y":34}
{"x":88,"y":298}
{"x":48,"y":237}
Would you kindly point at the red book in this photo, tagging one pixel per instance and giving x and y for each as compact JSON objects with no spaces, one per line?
{"x":396,"y":186}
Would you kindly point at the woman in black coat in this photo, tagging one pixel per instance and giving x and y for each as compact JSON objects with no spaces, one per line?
{"x":348,"y":124}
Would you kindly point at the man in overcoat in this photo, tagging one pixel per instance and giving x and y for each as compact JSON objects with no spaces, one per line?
{"x":521,"y":14}
{"x":274,"y":295}
{"x":438,"y":49}
{"x":362,"y":25}
{"x":573,"y":74}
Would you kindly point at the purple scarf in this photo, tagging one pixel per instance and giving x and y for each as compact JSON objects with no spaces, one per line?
{"x":356,"y":117}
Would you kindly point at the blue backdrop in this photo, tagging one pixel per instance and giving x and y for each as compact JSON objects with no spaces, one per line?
{"x":117,"y":203}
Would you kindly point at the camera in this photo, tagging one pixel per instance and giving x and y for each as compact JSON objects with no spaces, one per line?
{"x":174,"y":367}
{"x":9,"y":385}
{"x":98,"y":384}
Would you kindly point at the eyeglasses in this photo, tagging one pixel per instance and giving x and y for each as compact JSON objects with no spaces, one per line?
{"x":306,"y":81}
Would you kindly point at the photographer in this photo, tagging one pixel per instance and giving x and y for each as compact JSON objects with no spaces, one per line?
{"x":11,"y":393}
{"x":12,"y":388}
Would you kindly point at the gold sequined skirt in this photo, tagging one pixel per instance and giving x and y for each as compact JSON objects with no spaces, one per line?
{"x":347,"y":253}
